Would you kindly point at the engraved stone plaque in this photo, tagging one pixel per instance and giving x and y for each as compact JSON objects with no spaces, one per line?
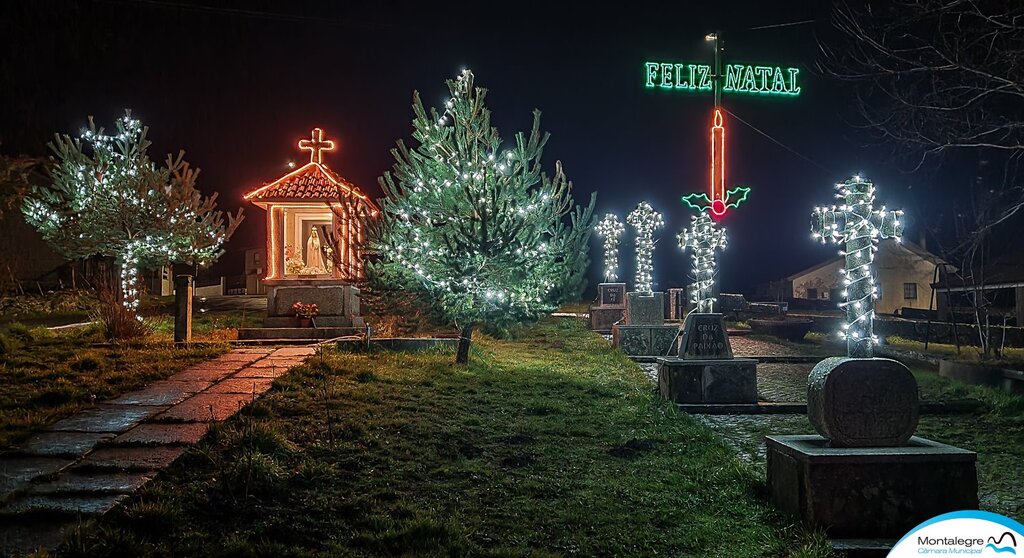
{"x":704,"y":337}
{"x":862,"y":402}
{"x":611,"y":295}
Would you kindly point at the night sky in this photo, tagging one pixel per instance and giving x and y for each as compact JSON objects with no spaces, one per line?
{"x":236,"y":85}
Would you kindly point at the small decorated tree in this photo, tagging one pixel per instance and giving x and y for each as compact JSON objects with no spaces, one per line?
{"x":490,"y":237}
{"x":106,"y":198}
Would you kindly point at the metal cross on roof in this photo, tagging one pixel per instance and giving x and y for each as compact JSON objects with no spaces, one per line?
{"x":316,"y":145}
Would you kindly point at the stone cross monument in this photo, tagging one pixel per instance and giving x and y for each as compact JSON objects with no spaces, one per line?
{"x":645,"y":220}
{"x":703,"y":237}
{"x":858,"y":226}
{"x":610,"y":228}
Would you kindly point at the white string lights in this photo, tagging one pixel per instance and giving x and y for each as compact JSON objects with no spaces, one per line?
{"x":610,"y":228}
{"x":703,"y":237}
{"x":645,"y":220}
{"x":862,"y":227}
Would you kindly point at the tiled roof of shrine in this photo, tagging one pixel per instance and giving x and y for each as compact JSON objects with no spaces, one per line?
{"x":312,"y":182}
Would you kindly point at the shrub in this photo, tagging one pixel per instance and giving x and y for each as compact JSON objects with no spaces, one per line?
{"x":119,"y":323}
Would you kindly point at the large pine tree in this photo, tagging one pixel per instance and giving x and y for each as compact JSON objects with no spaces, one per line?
{"x":490,"y":237}
{"x":107,"y":198}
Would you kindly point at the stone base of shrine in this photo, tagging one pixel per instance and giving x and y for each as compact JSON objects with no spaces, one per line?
{"x":337,"y":302}
{"x":602,"y":319}
{"x":645,"y":340}
{"x":297,"y":333}
{"x":869,"y":492}
{"x":729,"y":380}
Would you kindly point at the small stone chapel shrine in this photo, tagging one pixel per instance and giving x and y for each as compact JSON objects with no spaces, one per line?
{"x":316,"y":223}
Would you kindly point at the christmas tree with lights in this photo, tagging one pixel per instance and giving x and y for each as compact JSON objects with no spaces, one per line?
{"x":107,"y":198}
{"x":491,"y":238}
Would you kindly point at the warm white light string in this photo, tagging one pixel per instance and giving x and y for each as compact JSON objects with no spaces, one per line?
{"x":645,"y":220}
{"x":610,"y":228}
{"x":703,"y":237}
{"x":862,"y":227}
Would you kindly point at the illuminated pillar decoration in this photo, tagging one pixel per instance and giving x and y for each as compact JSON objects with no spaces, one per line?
{"x":611,"y":229}
{"x":703,"y":237}
{"x":718,"y":200}
{"x":860,"y":230}
{"x":644,"y":219}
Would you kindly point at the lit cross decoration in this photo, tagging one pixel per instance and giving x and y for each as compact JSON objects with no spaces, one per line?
{"x":316,"y":145}
{"x":862,"y":227}
{"x":703,"y":237}
{"x":611,"y":229}
{"x":644,"y":219}
{"x":718,"y":200}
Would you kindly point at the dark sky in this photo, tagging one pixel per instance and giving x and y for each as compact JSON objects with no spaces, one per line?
{"x":237,"y":84}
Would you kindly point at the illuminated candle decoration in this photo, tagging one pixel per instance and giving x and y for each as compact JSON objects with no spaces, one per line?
{"x":611,"y":229}
{"x":858,"y":226}
{"x":703,"y":237}
{"x":645,"y":220}
{"x":718,"y":200}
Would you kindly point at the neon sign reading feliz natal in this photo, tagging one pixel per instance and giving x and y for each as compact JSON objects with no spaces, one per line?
{"x":739,"y":78}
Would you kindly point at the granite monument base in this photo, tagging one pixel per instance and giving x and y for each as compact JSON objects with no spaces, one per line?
{"x":704,"y":337}
{"x":708,"y":381}
{"x":611,"y":295}
{"x":602,"y":319}
{"x":645,"y":309}
{"x":645,"y":340}
{"x":337,"y":301}
{"x":869,"y":492}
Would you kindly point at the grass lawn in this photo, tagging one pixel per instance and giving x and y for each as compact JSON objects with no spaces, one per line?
{"x":47,"y":375}
{"x":547,"y":444}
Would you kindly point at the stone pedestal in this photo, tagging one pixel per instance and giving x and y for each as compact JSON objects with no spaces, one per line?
{"x":644,"y":309}
{"x":869,"y":492}
{"x":337,"y":300}
{"x":704,"y":337}
{"x":610,"y":308}
{"x":731,"y":380}
{"x":645,"y":340}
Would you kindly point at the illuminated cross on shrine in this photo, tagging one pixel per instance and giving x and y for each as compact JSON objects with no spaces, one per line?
{"x":316,"y":145}
{"x":862,"y":226}
{"x":703,"y":237}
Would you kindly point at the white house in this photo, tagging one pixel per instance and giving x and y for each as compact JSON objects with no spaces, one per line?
{"x":904,"y":273}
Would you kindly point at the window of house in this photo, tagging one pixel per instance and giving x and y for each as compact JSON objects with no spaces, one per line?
{"x":812,"y":293}
{"x":910,"y":291}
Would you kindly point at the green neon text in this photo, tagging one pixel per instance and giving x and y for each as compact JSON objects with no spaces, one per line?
{"x":738,"y":78}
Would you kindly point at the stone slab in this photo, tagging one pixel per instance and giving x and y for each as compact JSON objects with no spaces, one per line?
{"x":277,"y":362}
{"x":644,"y":340}
{"x":708,"y":381}
{"x":212,"y":407}
{"x":130,"y":458}
{"x":263,"y":372}
{"x":602,"y":319}
{"x":235,"y":384}
{"x":63,"y":444}
{"x":330,"y":298}
{"x":241,"y":358}
{"x":106,"y":418}
{"x":868,"y":492}
{"x":163,"y":392}
{"x":93,"y":483}
{"x":645,"y":309}
{"x":293,"y":352}
{"x":204,"y":373}
{"x":153,"y":434}
{"x":16,"y":471}
{"x":611,"y":295}
{"x":63,"y":504}
{"x":862,"y":402}
{"x":677,"y":304}
{"x":705,"y":337}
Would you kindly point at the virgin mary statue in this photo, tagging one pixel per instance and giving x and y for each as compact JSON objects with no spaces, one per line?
{"x":314,"y":259}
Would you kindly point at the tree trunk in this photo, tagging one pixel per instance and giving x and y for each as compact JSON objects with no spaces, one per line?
{"x":462,"y":355}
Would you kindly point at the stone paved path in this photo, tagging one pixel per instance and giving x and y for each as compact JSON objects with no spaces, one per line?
{"x":88,"y":463}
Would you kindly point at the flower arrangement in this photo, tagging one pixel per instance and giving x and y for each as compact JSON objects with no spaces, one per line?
{"x":307,"y":311}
